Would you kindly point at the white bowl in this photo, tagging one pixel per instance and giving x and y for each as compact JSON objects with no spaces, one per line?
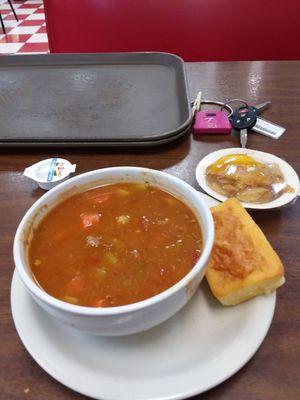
{"x":289,"y":174}
{"x":132,"y":318}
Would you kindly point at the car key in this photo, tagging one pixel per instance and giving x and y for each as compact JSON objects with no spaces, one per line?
{"x":261,"y":107}
{"x":242,"y":119}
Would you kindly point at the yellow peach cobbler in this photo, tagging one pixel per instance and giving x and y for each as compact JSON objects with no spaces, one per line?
{"x":240,"y":176}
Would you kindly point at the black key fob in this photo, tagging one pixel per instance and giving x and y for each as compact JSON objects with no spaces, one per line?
{"x":244,"y":118}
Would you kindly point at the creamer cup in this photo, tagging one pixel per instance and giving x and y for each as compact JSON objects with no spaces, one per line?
{"x":49,"y":173}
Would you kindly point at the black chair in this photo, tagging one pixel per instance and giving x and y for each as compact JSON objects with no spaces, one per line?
{"x":13,"y":10}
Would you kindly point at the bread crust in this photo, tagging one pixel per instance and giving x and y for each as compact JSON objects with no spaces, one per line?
{"x":243,"y":263}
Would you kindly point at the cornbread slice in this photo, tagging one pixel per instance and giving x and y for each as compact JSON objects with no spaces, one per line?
{"x":243,"y":264}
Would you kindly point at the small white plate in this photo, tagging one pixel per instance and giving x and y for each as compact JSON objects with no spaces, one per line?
{"x":197,"y":349}
{"x":289,"y":174}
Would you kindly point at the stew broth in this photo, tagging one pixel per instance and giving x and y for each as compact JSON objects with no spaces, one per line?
{"x":114,"y":245}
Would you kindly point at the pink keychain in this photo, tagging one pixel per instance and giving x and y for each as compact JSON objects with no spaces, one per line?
{"x":211,"y":121}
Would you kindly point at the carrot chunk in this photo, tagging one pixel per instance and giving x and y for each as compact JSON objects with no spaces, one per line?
{"x":99,"y":303}
{"x":89,"y":219}
{"x":160,"y":239}
{"x":76,"y":284}
{"x":59,"y":236}
{"x":196,"y":256}
{"x":98,"y":197}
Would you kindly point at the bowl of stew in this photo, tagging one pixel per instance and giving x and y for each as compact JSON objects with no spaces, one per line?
{"x":115,"y":251}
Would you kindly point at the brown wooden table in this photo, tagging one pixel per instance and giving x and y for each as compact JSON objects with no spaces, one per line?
{"x":274,"y":371}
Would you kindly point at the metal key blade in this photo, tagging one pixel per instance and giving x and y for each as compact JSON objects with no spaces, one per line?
{"x":197,"y":103}
{"x":243,"y":137}
{"x":262,"y":106}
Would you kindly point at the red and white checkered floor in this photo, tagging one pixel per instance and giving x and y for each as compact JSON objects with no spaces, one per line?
{"x":29,"y":34}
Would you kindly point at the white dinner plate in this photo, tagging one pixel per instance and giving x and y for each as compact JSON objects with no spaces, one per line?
{"x":197,"y":349}
{"x":289,"y":174}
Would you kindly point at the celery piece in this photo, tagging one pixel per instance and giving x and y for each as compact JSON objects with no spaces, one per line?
{"x":111,"y":258}
{"x":123,"y":192}
{"x":141,"y":186}
{"x":69,"y":299}
{"x":123,"y":219}
{"x":100,"y":273}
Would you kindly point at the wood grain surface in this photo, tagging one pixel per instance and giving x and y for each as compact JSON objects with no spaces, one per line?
{"x":273,"y":373}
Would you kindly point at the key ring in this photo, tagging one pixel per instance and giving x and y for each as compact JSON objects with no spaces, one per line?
{"x":225,"y":104}
{"x":198,"y":102}
{"x":221,"y":104}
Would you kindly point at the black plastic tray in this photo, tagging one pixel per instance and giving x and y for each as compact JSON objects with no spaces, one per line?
{"x":93,"y":99}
